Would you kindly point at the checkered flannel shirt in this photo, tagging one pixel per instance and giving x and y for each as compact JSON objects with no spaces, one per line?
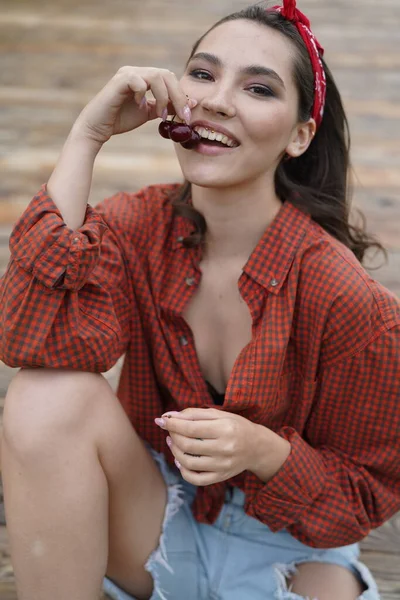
{"x":322,"y":369}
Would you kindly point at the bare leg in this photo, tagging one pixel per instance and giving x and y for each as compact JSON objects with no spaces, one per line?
{"x":326,"y":582}
{"x":83,"y":497}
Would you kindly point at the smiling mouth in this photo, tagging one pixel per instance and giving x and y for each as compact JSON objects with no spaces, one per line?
{"x":211,"y":137}
{"x":215,"y":144}
{"x":214,"y":138}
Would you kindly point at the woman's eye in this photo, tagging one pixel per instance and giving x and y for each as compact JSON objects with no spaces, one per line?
{"x":197,"y":74}
{"x":262,"y":90}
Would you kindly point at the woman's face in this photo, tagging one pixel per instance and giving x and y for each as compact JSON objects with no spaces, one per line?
{"x":243,"y":84}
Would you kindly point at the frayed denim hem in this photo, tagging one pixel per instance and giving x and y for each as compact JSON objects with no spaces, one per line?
{"x":158,"y":557}
{"x":286,"y":571}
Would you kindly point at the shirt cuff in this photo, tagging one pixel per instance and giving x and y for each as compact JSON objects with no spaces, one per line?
{"x":287,"y":495}
{"x":59,"y":257}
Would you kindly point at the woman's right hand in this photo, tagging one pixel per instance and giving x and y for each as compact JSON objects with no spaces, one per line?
{"x":117,"y":107}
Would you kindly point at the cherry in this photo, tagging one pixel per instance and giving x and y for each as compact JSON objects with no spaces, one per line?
{"x":179,"y":132}
{"x":194,"y":139}
{"x":164,"y":129}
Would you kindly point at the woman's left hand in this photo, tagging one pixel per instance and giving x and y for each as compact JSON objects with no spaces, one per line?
{"x":211,"y":445}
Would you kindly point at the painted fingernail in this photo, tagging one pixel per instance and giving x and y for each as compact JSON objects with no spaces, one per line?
{"x":171,"y":413}
{"x":169,"y":442}
{"x":143,"y":102}
{"x":160,"y":422}
{"x":164,"y":114}
{"x":187,"y":115}
{"x":178,"y":464}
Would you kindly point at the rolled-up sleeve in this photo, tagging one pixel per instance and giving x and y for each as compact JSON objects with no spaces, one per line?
{"x":342,"y":476}
{"x":65,"y":296}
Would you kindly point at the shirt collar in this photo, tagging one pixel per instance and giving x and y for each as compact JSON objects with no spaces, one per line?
{"x":182,"y":228}
{"x":271,"y":259}
{"x":273,"y":256}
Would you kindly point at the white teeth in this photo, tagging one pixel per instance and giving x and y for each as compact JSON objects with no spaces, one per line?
{"x":219,"y":137}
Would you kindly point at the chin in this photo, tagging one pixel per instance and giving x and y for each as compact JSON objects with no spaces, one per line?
{"x":207,"y":172}
{"x":208,"y":175}
{"x":209,"y":181}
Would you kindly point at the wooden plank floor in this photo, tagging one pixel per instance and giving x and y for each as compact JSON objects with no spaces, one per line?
{"x":54,"y":56}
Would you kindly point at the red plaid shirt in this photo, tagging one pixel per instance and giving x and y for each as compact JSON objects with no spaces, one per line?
{"x":322,"y":370}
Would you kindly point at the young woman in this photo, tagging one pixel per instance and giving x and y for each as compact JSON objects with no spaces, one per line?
{"x":256,"y":437}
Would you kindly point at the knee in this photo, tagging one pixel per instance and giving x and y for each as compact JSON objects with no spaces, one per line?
{"x":43,"y":406}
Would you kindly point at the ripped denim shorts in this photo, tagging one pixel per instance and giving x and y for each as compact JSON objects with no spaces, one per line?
{"x":236,"y":558}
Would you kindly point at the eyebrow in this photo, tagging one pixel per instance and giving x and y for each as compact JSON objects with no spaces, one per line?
{"x":249,"y":70}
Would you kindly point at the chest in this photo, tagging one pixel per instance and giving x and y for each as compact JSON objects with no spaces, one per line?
{"x":221,"y":323}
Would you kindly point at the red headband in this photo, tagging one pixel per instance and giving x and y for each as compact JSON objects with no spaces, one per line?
{"x":315,"y":50}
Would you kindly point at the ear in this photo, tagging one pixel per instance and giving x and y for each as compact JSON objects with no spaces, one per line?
{"x":301,"y":138}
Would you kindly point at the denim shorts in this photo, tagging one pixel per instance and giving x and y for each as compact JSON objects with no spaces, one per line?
{"x":236,"y":558}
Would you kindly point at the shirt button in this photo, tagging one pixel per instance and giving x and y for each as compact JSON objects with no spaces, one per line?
{"x":273,"y":282}
{"x":183,"y":341}
{"x":180,"y":239}
{"x":189,"y":280}
{"x":76,"y":239}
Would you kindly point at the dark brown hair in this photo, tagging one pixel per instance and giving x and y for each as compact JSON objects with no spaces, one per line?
{"x":317,"y":182}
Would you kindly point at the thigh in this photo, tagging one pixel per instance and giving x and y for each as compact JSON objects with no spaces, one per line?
{"x":176,"y":564}
{"x":325,"y":582}
{"x":137,"y":500}
{"x":54,"y":411}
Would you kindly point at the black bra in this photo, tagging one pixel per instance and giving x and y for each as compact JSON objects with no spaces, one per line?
{"x":216,"y":396}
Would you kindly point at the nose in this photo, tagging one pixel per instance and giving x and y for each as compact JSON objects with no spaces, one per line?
{"x":219,"y":100}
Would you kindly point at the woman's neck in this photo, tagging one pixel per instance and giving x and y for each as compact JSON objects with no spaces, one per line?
{"x":236,"y":219}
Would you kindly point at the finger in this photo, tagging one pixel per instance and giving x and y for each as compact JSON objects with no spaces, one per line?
{"x":151,"y":109}
{"x":194,"y":463}
{"x":140,"y":87}
{"x":159,"y":90}
{"x":192,"y":429}
{"x":177,"y":96}
{"x":128,"y":81}
{"x":204,"y":478}
{"x":198,"y":414}
{"x":194,"y":446}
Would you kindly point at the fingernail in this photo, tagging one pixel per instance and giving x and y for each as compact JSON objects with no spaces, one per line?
{"x":169,"y":442}
{"x":143,"y":102}
{"x":160,"y":422}
{"x":164,"y":114}
{"x":187,"y":115}
{"x":171,"y":413}
{"x":192,"y":103}
{"x":178,"y":464}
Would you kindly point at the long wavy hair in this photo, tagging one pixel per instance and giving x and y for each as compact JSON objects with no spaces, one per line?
{"x":317,"y":182}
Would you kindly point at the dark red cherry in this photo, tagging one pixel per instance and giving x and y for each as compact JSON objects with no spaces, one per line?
{"x":164,"y":129}
{"x":179,"y":132}
{"x":194,"y":140}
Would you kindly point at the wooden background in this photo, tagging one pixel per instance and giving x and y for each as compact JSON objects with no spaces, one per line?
{"x":54,"y":56}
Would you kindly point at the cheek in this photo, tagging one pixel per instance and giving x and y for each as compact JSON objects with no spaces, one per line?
{"x":269,"y":128}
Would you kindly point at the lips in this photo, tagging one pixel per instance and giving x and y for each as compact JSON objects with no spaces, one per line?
{"x":216,"y":128}
{"x":212,"y":127}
